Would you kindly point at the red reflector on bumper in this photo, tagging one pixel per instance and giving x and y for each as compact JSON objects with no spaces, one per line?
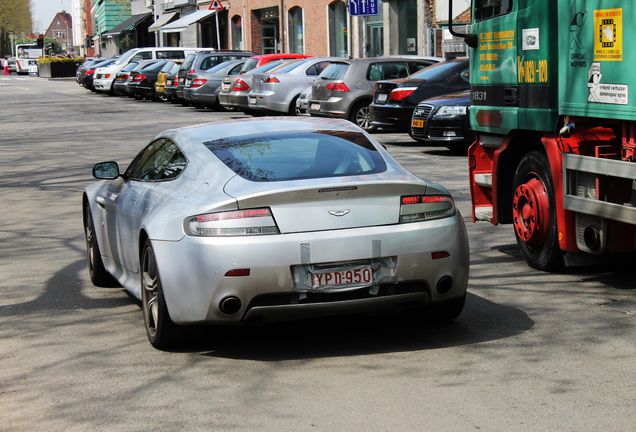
{"x":238,"y":272}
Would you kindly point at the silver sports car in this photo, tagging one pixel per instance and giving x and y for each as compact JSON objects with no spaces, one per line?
{"x":272,"y":218}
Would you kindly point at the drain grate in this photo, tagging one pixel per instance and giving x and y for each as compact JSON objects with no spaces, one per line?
{"x":512,"y":250}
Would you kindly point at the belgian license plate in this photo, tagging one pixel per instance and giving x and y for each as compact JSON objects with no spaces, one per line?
{"x":360,"y":275}
{"x":382,"y":97}
{"x":315,"y":107}
{"x":417,"y":123}
{"x":226,"y":87}
{"x":252,"y":101}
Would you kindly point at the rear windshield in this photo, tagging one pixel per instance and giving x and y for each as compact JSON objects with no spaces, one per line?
{"x":294,"y":155}
{"x":437,"y":72}
{"x":188,"y":62}
{"x":291,"y":66}
{"x":264,"y":68}
{"x":249,"y":64}
{"x":335,"y":71}
{"x":166,"y":68}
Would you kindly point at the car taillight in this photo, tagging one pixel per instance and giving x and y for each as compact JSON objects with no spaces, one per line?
{"x":401,"y":93}
{"x":107,"y":76}
{"x":416,"y":208}
{"x":232,"y":223}
{"x":270,"y":80}
{"x":240,"y":85}
{"x":139,"y":77}
{"x":337,"y":87}
{"x":199,"y":82}
{"x":90,"y":71}
{"x":192,"y":71}
{"x":125,"y":76}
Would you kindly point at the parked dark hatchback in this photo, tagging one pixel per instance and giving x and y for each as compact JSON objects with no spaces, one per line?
{"x":394,"y":101}
{"x":443,"y":120}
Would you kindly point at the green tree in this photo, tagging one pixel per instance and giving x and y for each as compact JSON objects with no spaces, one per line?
{"x":15,"y":17}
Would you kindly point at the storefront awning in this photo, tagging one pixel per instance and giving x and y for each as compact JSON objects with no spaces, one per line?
{"x":126,"y":25}
{"x":182,"y":23}
{"x":162,"y":20}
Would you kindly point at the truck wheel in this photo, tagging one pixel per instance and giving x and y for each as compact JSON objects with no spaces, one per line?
{"x":534,"y":213}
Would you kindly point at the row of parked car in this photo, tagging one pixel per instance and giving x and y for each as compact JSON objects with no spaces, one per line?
{"x":426,"y":97}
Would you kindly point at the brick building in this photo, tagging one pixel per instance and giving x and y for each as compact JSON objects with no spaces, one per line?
{"x":325,"y":27}
{"x":61,"y":29}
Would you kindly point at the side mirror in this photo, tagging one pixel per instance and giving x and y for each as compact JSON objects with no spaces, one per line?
{"x":106,"y":170}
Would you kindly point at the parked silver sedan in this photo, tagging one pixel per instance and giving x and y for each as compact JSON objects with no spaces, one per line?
{"x":272,"y":218}
{"x":202,"y":88}
{"x":277,"y":91}
{"x":234,"y":88}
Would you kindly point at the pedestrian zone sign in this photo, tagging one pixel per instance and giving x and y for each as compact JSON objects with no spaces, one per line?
{"x":216,"y":5}
{"x":363,"y":7}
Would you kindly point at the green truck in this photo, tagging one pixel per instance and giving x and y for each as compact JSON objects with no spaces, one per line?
{"x":554,"y":109}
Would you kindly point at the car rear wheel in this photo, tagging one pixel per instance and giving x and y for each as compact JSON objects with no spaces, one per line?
{"x":98,"y":274}
{"x":292,"y":107}
{"x":361,"y":115}
{"x":161,"y":331}
{"x":534,"y":214}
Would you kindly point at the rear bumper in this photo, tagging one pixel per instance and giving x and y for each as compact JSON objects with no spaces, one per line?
{"x":194,"y":284}
{"x":393,"y":117}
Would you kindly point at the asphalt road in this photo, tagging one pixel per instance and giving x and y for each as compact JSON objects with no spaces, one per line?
{"x":531,"y":352}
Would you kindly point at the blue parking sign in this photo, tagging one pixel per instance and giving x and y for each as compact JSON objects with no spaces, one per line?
{"x":363,"y":7}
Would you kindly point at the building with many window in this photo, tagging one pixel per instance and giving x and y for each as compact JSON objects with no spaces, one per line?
{"x":312,"y":27}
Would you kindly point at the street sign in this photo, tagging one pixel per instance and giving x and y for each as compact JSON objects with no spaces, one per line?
{"x":363,"y":7}
{"x":216,"y":5}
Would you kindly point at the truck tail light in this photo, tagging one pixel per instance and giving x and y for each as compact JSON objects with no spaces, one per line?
{"x":417,"y":208}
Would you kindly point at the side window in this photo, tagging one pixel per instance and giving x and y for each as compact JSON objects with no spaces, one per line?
{"x":235,"y":70}
{"x":317,"y":68}
{"x":485,"y":9}
{"x":160,"y":160}
{"x":388,"y":70}
{"x":170,"y":54}
{"x":417,"y":66}
{"x":142,"y":55}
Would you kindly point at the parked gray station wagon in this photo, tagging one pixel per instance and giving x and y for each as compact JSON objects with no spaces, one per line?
{"x":345,"y":88}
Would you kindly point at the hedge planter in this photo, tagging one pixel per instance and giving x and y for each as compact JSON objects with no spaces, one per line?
{"x":57,"y":69}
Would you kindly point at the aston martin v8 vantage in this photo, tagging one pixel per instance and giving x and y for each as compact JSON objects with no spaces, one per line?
{"x":268,"y":219}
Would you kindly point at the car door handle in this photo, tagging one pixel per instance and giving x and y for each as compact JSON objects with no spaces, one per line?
{"x":100,"y":200}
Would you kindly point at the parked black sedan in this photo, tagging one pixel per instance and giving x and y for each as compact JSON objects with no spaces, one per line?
{"x":395,"y":100}
{"x":142,"y":80}
{"x":443,"y":120}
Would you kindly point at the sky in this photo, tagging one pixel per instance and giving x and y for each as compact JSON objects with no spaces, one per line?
{"x":43,"y":12}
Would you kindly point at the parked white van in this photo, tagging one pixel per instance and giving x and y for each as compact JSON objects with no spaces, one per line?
{"x":104,"y":77}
